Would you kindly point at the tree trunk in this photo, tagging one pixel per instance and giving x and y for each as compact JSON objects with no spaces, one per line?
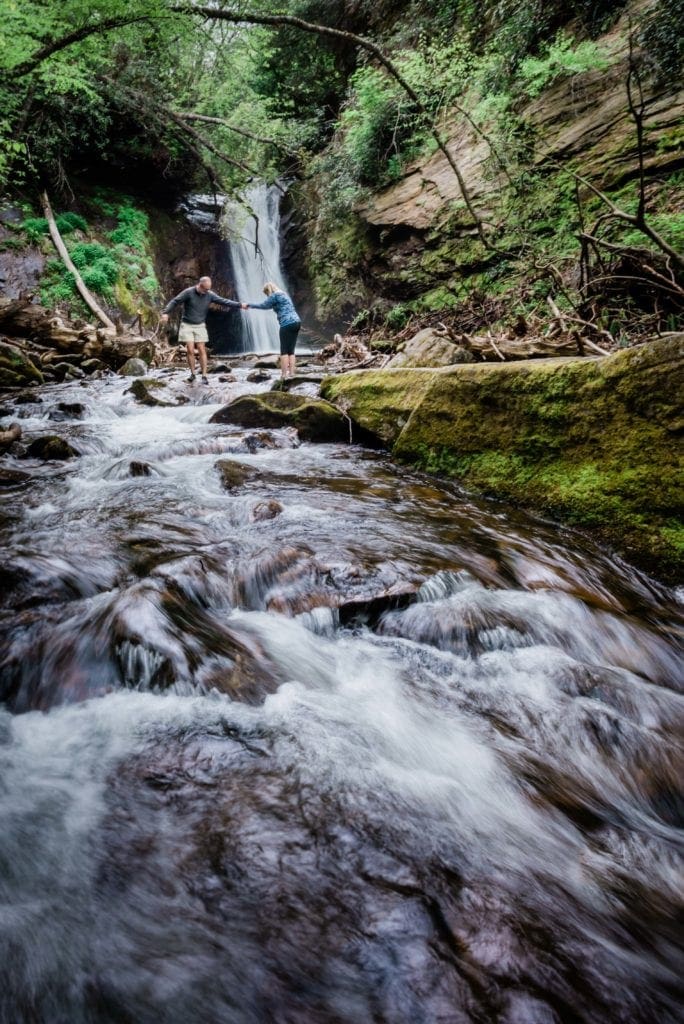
{"x":66,"y":260}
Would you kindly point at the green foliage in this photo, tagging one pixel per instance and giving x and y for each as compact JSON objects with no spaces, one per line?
{"x":663,"y":39}
{"x":397,"y":317}
{"x":560,"y":60}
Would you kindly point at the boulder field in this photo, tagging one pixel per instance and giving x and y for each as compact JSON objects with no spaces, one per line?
{"x":595,"y":443}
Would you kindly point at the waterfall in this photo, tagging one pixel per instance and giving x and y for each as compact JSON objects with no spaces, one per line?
{"x":253,"y":266}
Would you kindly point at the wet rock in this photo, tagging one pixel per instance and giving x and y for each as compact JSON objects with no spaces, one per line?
{"x":59,"y":371}
{"x":140,"y":391}
{"x":219,"y":368}
{"x":267,"y":363}
{"x":228,"y":379}
{"x":368,"y":611}
{"x":265,"y":510}
{"x":139,"y":469}
{"x":133,"y":368}
{"x":313,"y":419}
{"x":288,"y":383}
{"x":27,"y":398}
{"x":258,"y":377}
{"x":9,"y":436}
{"x":234,"y":474}
{"x":92,"y":366}
{"x":67,"y":411}
{"x":51,"y":447}
{"x":13,"y":478}
{"x":16,"y":368}
{"x":265,"y":439}
{"x":74,"y":373}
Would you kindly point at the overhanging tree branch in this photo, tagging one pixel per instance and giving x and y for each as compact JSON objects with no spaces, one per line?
{"x":218,"y":14}
{"x":187,"y":116}
{"x":77,"y":36}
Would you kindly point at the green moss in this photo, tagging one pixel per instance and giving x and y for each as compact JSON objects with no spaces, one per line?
{"x":589,"y":441}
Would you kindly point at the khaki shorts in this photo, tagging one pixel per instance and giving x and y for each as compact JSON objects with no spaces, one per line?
{"x":193,"y":332}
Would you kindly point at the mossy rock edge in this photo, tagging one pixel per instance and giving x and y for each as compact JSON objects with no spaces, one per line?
{"x":314,"y":420}
{"x":593,"y":442}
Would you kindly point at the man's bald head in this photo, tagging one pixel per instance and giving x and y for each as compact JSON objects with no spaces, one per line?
{"x":204,"y":284}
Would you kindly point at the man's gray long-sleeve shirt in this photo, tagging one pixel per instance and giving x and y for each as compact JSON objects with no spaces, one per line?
{"x":195,"y":304}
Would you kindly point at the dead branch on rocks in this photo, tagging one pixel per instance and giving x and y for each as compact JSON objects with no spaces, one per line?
{"x":68,"y":263}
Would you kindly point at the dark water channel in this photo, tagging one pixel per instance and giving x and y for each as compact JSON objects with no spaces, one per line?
{"x":392,"y":755}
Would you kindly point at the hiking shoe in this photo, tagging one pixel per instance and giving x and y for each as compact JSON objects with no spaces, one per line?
{"x":204,"y":379}
{"x":191,"y":378}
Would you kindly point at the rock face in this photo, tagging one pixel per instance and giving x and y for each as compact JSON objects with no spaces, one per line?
{"x":593,"y":442}
{"x":16,"y":369}
{"x":428,"y":348}
{"x":314,"y":420}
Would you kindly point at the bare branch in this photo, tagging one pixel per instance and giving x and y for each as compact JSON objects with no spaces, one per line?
{"x":218,"y":14}
{"x":187,"y":116}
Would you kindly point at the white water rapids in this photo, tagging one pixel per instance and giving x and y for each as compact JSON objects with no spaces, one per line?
{"x":392,"y":755}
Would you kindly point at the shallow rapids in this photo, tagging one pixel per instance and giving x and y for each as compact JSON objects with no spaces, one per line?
{"x":339,"y":746}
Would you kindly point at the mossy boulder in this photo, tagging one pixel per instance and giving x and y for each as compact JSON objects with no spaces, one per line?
{"x":594,"y":442}
{"x":313,"y":419}
{"x":140,"y":389}
{"x":16,"y":367}
{"x":51,"y":447}
{"x":235,"y":475}
{"x":379,"y":401}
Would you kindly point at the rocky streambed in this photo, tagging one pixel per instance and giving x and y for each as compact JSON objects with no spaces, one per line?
{"x":293,"y":734}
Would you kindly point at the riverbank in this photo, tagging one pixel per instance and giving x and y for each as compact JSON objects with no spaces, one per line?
{"x":593,"y":442}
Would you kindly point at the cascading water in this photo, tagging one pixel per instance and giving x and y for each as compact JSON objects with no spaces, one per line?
{"x":255,"y":254}
{"x":341,"y":746}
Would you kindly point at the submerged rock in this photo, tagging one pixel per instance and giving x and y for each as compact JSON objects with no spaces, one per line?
{"x":258,"y":377}
{"x":67,"y":411}
{"x":234,"y":474}
{"x":140,"y":389}
{"x":13,"y":478}
{"x":139,"y":469}
{"x":51,"y":447}
{"x":265,"y":510}
{"x":314,"y":420}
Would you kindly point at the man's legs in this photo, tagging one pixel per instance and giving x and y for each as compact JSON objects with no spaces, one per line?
{"x":202,"y":349}
{"x":190,"y":348}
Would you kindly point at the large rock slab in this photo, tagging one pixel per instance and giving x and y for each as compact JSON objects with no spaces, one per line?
{"x":313,"y":419}
{"x":595,"y":442}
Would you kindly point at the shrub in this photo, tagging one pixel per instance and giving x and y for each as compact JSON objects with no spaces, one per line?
{"x":561,"y":59}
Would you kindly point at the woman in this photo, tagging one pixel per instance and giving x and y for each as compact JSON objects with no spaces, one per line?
{"x":288,"y":319}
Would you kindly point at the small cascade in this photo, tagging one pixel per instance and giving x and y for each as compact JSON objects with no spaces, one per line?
{"x":254,"y":243}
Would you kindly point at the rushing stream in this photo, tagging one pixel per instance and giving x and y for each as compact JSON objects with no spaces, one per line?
{"x":392,"y":755}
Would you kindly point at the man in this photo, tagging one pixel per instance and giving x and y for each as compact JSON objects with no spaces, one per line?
{"x":193,"y":328}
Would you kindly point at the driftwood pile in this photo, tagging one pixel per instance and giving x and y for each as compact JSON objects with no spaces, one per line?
{"x":61,"y":349}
